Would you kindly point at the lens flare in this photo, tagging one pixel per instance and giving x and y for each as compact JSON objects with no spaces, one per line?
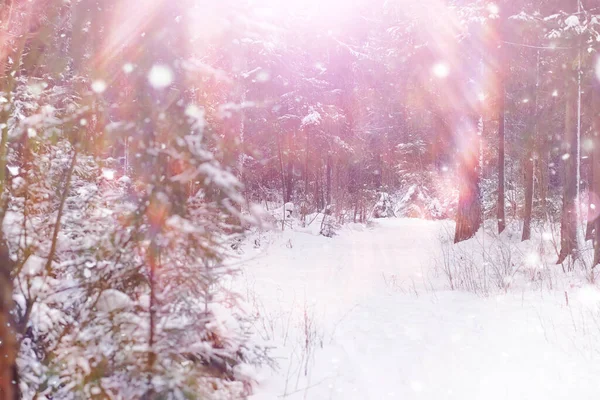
{"x":160,"y":76}
{"x":493,"y":9}
{"x":98,"y":86}
{"x":441,"y":70}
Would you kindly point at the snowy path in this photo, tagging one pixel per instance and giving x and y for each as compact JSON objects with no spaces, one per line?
{"x":361,"y":316}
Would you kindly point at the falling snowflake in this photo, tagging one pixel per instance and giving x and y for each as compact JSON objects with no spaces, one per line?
{"x":128,"y":68}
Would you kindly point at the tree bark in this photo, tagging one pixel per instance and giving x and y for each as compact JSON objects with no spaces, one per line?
{"x":282,"y":176}
{"x":544,"y":158}
{"x":306,"y":166}
{"x":501,"y":111}
{"x":595,"y":179}
{"x":568,"y":223}
{"x":530,"y":158}
{"x":8,"y":340}
{"x":468,"y":215}
{"x":289,"y":179}
{"x":328,"y":181}
{"x":592,"y":198}
{"x":501,"y":57}
{"x":9,"y":388}
{"x":529,"y":166}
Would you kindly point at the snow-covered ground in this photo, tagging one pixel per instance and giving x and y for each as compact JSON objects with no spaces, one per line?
{"x":364,"y":315}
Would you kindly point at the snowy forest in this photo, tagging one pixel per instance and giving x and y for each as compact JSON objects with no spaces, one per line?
{"x":299,"y":199}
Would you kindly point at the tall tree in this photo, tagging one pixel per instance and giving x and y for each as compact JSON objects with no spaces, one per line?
{"x":594,"y":216}
{"x":570,"y":153}
{"x":502,"y":69}
{"x":8,"y":340}
{"x":469,"y":212}
{"x":531,"y":153}
{"x":568,"y":223}
{"x":469,"y":132}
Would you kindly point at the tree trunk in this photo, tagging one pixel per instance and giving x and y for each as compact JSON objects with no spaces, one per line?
{"x":529,"y":166}
{"x":318,"y":186}
{"x":568,"y":223}
{"x":530,"y":158}
{"x":9,"y":388}
{"x":501,"y":194}
{"x":289,"y":173}
{"x":306,"y":167}
{"x":595,"y":178}
{"x":468,"y":215}
{"x":502,"y":69}
{"x":8,"y":341}
{"x":591,"y":214}
{"x":282,"y":175}
{"x":544,"y":159}
{"x":289,"y":179}
{"x":328,"y":181}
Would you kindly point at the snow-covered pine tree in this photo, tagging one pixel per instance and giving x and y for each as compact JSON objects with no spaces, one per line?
{"x":120,"y":285}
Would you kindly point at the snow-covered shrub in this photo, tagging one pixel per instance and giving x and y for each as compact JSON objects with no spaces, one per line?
{"x":489,"y":262}
{"x":384,"y":208}
{"x":329,"y":226}
{"x":135,"y":295}
{"x":419,"y":201}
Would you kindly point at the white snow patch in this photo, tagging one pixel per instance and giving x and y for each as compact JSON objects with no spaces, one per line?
{"x":108,"y":173}
{"x":197,"y":115}
{"x":312,"y":118}
{"x":14,"y":170}
{"x":183,"y":225}
{"x":34,"y":265}
{"x":18,"y":183}
{"x":363,"y":316}
{"x":572,"y":21}
{"x":112,"y":300}
{"x":589,"y":296}
{"x":124,"y":179}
